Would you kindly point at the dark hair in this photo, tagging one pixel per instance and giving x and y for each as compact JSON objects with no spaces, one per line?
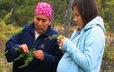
{"x":87,"y":9}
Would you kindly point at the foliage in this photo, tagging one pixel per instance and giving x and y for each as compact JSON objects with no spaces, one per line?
{"x":55,"y":36}
{"x":109,"y":54}
{"x":108,"y":59}
{"x":28,"y":57}
{"x":4,"y":66}
{"x":106,"y":10}
{"x":22,"y":12}
{"x":7,"y":30}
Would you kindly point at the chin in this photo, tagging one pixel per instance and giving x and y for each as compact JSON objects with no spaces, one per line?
{"x":78,"y":28}
{"x":41,"y":32}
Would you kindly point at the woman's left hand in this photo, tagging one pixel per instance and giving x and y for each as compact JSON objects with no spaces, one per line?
{"x":61,"y":40}
{"x":39,"y":54}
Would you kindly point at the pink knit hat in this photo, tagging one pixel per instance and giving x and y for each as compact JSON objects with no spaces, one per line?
{"x":44,"y":9}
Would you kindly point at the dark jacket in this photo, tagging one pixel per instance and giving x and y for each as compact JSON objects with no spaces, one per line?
{"x":52,"y":53}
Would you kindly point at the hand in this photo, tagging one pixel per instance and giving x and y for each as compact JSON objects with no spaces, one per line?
{"x":61,"y":40}
{"x":39,"y":54}
{"x":24,"y":47}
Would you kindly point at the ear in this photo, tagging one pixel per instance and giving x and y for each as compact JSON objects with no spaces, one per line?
{"x":50,"y":22}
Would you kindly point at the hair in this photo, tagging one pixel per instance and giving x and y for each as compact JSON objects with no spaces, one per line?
{"x":87,"y":9}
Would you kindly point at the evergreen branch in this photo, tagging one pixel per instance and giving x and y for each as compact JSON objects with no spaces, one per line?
{"x":54,"y":36}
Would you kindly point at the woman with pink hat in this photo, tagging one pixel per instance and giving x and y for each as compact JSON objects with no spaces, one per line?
{"x":47,"y":53}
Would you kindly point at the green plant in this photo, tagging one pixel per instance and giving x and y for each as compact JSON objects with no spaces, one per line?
{"x":55,"y":36}
{"x":28,"y":57}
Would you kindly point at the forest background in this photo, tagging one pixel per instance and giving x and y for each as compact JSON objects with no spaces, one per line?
{"x":14,"y":14}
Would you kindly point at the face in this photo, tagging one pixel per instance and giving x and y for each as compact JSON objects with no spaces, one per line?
{"x":41,"y":23}
{"x":78,"y":19}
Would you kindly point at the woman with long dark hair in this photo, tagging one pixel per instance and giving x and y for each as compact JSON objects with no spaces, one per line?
{"x":83,"y":52}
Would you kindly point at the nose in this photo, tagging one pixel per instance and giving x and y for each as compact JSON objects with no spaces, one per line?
{"x":40,"y":22}
{"x":75,"y":19}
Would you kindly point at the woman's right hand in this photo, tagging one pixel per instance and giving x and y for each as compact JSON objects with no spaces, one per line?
{"x":24,"y":47}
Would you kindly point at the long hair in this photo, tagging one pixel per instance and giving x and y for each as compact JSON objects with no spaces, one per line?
{"x":87,"y":9}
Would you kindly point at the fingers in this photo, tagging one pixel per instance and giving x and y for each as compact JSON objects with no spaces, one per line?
{"x":24,"y":47}
{"x":60,"y":46}
{"x":60,"y":41}
{"x":39,"y":54}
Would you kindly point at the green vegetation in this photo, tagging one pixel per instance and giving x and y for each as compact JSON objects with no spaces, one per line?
{"x":28,"y":57}
{"x":109,"y":54}
{"x":16,"y":13}
{"x":7,"y":30}
{"x":54,"y":36}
